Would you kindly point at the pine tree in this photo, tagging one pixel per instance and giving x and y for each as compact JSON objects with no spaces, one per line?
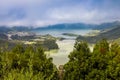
{"x":78,"y":66}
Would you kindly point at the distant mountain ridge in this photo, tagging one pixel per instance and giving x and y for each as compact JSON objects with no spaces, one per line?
{"x":107,"y":25}
{"x":6,"y":29}
{"x":66,"y":26}
{"x":81,"y":26}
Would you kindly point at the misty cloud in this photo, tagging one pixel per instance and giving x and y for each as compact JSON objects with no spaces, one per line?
{"x":47,"y":12}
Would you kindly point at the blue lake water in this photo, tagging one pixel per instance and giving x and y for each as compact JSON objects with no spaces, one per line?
{"x":59,"y":32}
{"x":60,"y":57}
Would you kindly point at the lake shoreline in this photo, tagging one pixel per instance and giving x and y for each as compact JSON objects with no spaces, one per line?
{"x":65,"y":45}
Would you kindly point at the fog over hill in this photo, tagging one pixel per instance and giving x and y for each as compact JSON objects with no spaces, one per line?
{"x":65,"y":26}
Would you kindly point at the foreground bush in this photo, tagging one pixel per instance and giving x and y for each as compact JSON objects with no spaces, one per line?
{"x":30,"y":63}
{"x":101,"y":64}
{"x":26,"y":63}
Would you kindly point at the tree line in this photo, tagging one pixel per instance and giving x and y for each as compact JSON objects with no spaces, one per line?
{"x":30,"y":63}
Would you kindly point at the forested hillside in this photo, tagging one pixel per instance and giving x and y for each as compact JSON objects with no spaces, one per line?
{"x":111,"y":34}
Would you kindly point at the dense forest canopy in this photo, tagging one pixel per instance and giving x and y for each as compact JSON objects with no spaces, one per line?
{"x":30,"y":63}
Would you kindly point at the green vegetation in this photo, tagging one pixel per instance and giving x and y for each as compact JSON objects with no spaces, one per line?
{"x":110,"y":34}
{"x":30,"y":63}
{"x":93,"y":33}
{"x":70,"y":34}
{"x":26,"y":38}
{"x":48,"y":44}
{"x":26,"y":63}
{"x":6,"y":44}
{"x":101,"y":64}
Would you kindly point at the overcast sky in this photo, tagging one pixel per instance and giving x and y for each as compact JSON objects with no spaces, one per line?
{"x":47,"y":12}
